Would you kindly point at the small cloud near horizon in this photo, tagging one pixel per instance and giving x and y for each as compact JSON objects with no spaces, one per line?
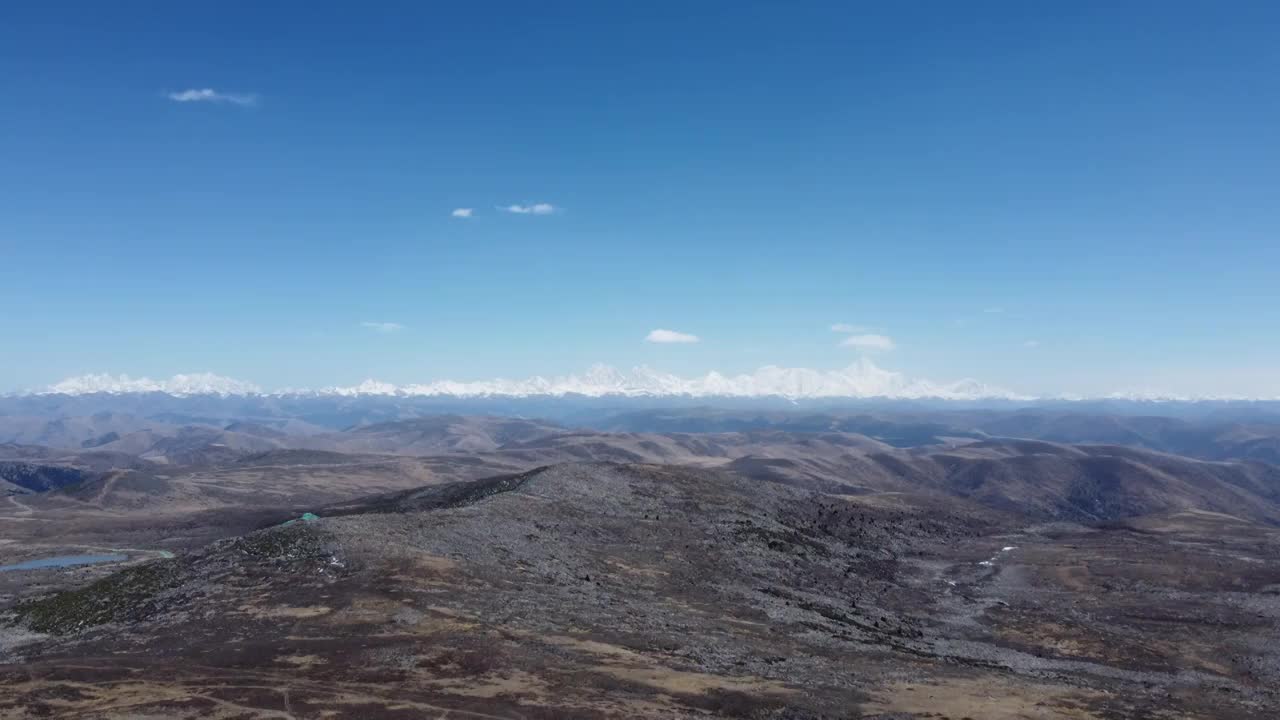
{"x":869,"y":341}
{"x":1031,"y":343}
{"x":210,"y":95}
{"x":534,"y":209}
{"x":858,"y":337}
{"x":383,"y":327}
{"x":463,"y":212}
{"x":670,"y":336}
{"x":847,"y":328}
{"x":995,"y":310}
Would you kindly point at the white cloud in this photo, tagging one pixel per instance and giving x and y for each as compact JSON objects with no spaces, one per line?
{"x":383,"y":327}
{"x":463,"y":212}
{"x":534,"y":209}
{"x":996,"y":310}
{"x":863,"y":340}
{"x":1031,"y":343}
{"x":212,"y":96}
{"x":869,"y":341}
{"x":670,"y":336}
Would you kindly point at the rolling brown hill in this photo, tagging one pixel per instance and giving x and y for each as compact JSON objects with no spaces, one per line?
{"x":604,"y":591}
{"x":207,"y":467}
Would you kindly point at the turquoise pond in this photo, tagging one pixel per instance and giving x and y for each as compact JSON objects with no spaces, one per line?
{"x":63,"y":561}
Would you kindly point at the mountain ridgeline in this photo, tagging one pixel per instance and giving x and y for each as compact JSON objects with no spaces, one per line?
{"x":1062,"y":467}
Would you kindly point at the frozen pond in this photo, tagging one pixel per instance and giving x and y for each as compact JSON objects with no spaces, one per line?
{"x":63,"y":561}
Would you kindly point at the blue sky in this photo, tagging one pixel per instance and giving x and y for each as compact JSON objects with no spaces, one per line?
{"x":1076,"y":199}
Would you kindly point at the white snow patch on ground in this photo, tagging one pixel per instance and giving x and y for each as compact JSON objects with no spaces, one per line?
{"x":1003,"y":550}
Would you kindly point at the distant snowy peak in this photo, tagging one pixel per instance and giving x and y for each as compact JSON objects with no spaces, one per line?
{"x":862,"y":379}
{"x":1155,"y":395}
{"x":178,"y":385}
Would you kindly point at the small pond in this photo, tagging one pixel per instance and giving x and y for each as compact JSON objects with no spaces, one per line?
{"x":63,"y":561}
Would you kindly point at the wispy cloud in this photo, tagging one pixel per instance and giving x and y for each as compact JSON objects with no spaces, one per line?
{"x":670,"y":336}
{"x":847,"y":328}
{"x":463,"y":212}
{"x":869,"y":341}
{"x":1031,"y":344}
{"x":978,"y":316}
{"x":383,"y":327}
{"x":534,"y":209}
{"x":860,"y":337}
{"x":209,"y":95}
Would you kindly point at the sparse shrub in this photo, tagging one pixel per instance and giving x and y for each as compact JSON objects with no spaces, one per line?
{"x":295,"y":542}
{"x":734,"y":704}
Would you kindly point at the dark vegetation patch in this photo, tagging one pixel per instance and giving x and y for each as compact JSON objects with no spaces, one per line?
{"x":139,"y":592}
{"x":297,"y":457}
{"x":283,"y":544}
{"x":41,"y":478}
{"x":102,"y":439}
{"x":734,"y":704}
{"x":1098,"y":494}
{"x":126,"y":596}
{"x":464,"y":662}
{"x":718,"y":702}
{"x":784,"y":541}
{"x":435,"y":497}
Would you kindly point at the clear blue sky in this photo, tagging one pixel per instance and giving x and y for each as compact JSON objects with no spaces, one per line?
{"x":1049,"y":197}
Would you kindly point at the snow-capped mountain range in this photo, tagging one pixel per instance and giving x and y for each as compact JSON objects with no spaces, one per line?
{"x":862,"y":379}
{"x":178,"y":385}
